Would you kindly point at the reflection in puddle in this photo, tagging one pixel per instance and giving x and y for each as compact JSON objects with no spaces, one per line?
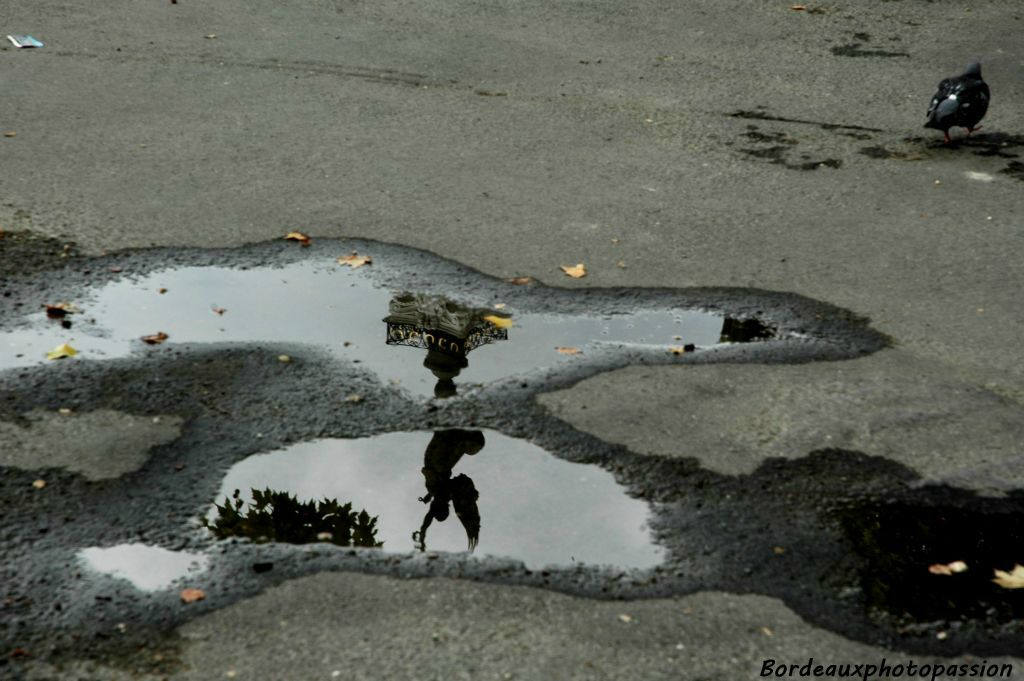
{"x":343,"y":311}
{"x":899,"y":542}
{"x":510,"y":498}
{"x":148,"y":568}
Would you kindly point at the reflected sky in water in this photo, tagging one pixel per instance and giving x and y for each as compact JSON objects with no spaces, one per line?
{"x":532,"y":506}
{"x":327,"y":306}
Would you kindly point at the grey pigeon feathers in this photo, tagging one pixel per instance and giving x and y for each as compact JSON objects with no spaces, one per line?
{"x":960,"y":102}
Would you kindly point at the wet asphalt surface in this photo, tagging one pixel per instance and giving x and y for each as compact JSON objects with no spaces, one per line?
{"x":736,"y":157}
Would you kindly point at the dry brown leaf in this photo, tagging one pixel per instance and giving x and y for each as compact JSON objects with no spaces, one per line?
{"x":10,"y":133}
{"x":576,"y":272}
{"x":500,"y":322}
{"x":799,"y":8}
{"x":161,"y":290}
{"x":156,"y":339}
{"x":355,"y":260}
{"x":354,"y":398}
{"x":298,"y":236}
{"x":948,"y":568}
{"x":218,"y":310}
{"x":59,"y":310}
{"x":767,"y":631}
{"x":192,"y":595}
{"x":626,"y":618}
{"x":39,"y":484}
{"x":778,"y":550}
{"x":568,"y":351}
{"x":520,"y":281}
{"x":61,"y":351}
{"x":677,"y":349}
{"x":1010,"y":580}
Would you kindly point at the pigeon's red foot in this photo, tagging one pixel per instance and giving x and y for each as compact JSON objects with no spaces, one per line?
{"x":946,"y":133}
{"x":970,"y":130}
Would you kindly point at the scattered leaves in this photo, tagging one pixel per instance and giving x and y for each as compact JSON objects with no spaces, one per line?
{"x":576,"y":272}
{"x":355,"y":260}
{"x":192,"y":595}
{"x":156,"y":339}
{"x":298,"y":236}
{"x":355,"y":398}
{"x":39,"y":484}
{"x":563,"y":350}
{"x":947,"y":569}
{"x":626,"y":618}
{"x":61,"y":351}
{"x":1010,"y":580}
{"x":59,"y":310}
{"x":520,"y":281}
{"x":499,"y":322}
{"x":218,"y":310}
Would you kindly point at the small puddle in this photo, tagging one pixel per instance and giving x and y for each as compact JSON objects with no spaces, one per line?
{"x":448,"y":490}
{"x":899,"y":543}
{"x":148,"y":568}
{"x":343,"y":311}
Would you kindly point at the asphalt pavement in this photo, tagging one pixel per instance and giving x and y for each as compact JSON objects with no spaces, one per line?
{"x":765,"y":145}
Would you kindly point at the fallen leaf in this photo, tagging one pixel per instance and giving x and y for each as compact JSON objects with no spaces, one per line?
{"x":767,"y":632}
{"x":324,"y":536}
{"x":500,"y":322}
{"x":298,"y":236}
{"x":355,"y":260}
{"x":626,"y":618}
{"x":115,"y":270}
{"x":621,"y":264}
{"x":778,"y":550}
{"x":218,"y":310}
{"x":799,"y":8}
{"x":39,"y":484}
{"x":576,"y":272}
{"x":947,"y":569}
{"x":284,"y":358}
{"x":1010,"y":580}
{"x":615,"y":241}
{"x":192,"y":595}
{"x":64,"y":411}
{"x":61,"y":351}
{"x":677,"y":349}
{"x":354,"y":398}
{"x":499,"y":306}
{"x":58,"y":310}
{"x":520,"y":281}
{"x":568,"y":351}
{"x":156,"y":339}
{"x":19,"y":652}
{"x":210,"y":36}
{"x":161,"y":291}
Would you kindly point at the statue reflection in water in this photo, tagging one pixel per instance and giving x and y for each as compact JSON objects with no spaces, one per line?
{"x":448,"y":331}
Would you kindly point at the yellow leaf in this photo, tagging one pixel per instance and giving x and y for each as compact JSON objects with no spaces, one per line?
{"x":298,"y":236}
{"x":626,"y":618}
{"x":61,"y":351}
{"x":192,"y":595}
{"x":677,"y":349}
{"x":1010,"y":580}
{"x":576,"y":272}
{"x":354,"y":398}
{"x":500,"y":322}
{"x":39,"y":484}
{"x":948,"y":569}
{"x":355,"y":260}
{"x":156,"y":339}
{"x":568,"y":351}
{"x":520,"y":281}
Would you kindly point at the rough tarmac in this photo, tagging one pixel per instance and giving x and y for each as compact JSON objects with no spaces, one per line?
{"x":697,"y":146}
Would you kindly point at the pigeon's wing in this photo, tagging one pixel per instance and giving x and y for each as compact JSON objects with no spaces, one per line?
{"x":946,"y":88}
{"x":974,"y":101}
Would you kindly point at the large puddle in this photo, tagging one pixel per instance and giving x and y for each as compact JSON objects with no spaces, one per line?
{"x":343,"y":311}
{"x":449,"y":490}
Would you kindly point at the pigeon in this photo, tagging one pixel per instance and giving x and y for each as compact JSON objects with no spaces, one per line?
{"x":961,"y":101}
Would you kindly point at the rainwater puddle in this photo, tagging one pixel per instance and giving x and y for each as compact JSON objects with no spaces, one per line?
{"x":900,"y":542}
{"x":439,"y":491}
{"x":343,"y":311}
{"x":148,"y":568}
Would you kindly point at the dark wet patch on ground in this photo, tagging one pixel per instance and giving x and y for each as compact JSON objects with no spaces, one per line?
{"x":778,"y":148}
{"x":855,"y":50}
{"x":918,"y":147}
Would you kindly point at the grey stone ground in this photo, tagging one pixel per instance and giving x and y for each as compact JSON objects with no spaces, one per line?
{"x":517,"y":137}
